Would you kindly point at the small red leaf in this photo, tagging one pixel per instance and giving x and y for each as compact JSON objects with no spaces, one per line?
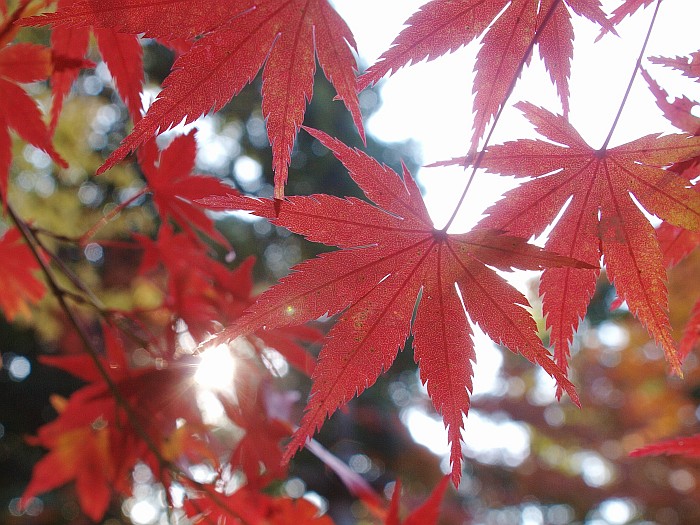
{"x":684,"y":446}
{"x":18,"y":286}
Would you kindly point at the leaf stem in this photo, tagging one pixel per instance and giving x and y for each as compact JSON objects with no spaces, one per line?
{"x":637,"y":65}
{"x":84,"y":238}
{"x":480,"y":155}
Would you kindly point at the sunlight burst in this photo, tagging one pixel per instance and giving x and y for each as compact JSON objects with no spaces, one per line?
{"x":216,"y":369}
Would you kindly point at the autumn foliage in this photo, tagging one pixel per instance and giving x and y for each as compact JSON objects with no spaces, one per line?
{"x":392,"y":282}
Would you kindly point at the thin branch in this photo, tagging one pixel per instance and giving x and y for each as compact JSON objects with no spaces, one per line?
{"x":85,"y":338}
{"x":62,"y":296}
{"x":84,"y":238}
{"x":637,"y":65}
{"x":511,"y":87}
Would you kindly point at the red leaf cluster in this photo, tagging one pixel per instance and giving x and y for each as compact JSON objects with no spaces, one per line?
{"x":394,"y":278}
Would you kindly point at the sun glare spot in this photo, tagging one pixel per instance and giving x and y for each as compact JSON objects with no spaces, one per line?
{"x":216,"y":369}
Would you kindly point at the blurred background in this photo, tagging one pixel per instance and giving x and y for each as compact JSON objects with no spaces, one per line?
{"x":530,"y":460}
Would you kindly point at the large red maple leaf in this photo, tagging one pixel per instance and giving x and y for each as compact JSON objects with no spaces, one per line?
{"x":392,"y":257}
{"x":601,"y":219}
{"x":283,"y":37}
{"x":442,"y":26}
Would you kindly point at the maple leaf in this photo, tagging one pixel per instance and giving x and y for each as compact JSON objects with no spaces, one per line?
{"x":600,"y":220}
{"x":282,"y":37}
{"x":442,"y":26}
{"x":20,"y":63}
{"x":207,"y":295}
{"x":168,"y":173}
{"x":258,"y":453}
{"x":190,"y":292}
{"x":689,"y":66}
{"x":391,"y":255}
{"x":121,"y":53}
{"x":94,"y":443}
{"x":677,"y":242}
{"x":426,"y":514}
{"x":247,"y":506}
{"x":684,"y":446}
{"x":18,"y":286}
{"x":81,"y":454}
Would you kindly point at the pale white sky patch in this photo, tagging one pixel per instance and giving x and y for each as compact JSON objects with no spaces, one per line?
{"x":431,"y":102}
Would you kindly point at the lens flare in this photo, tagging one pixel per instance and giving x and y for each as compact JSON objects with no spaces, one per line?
{"x":217,"y":369}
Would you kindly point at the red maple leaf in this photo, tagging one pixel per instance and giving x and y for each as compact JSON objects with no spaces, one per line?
{"x":684,"y":446}
{"x":600,"y":220}
{"x":426,"y":514}
{"x":206,"y":295}
{"x":18,"y":286}
{"x":121,"y":52}
{"x":259,"y":452}
{"x":689,"y":66}
{"x":248,"y":506}
{"x":442,"y":26}
{"x":677,"y":242}
{"x":392,"y":257}
{"x":168,"y":173}
{"x":20,"y":63}
{"x":191,"y":294}
{"x":282,"y":37}
{"x":76,"y":454}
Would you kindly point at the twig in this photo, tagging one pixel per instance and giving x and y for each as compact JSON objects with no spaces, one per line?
{"x":511,"y":87}
{"x":85,"y":338}
{"x":84,"y":238}
{"x":637,"y":65}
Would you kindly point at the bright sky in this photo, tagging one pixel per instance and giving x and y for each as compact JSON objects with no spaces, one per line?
{"x":431,"y":103}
